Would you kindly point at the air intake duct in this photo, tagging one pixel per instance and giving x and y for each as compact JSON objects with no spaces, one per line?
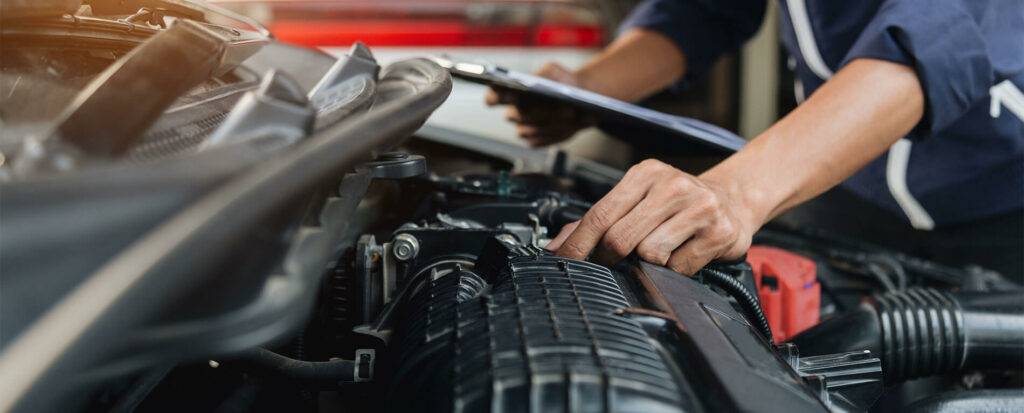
{"x":923,"y":332}
{"x":525,"y":331}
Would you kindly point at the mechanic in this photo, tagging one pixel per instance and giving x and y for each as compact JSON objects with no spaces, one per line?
{"x":914,"y":110}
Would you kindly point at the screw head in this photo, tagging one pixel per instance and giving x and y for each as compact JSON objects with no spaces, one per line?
{"x":405,"y":247}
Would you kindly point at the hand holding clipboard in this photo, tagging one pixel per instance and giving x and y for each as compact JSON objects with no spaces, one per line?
{"x":637,"y":125}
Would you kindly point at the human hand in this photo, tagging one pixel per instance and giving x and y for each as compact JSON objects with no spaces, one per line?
{"x":667,"y":216}
{"x":539,"y":121}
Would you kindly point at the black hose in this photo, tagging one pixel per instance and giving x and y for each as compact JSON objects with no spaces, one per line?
{"x":747,"y":300}
{"x":266,"y":362}
{"x":562,"y":216}
{"x":557,"y":214}
{"x":924,"y":332}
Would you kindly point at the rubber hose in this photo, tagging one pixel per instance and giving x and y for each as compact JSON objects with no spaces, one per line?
{"x":923,"y":332}
{"x":561,"y":216}
{"x":747,"y":300}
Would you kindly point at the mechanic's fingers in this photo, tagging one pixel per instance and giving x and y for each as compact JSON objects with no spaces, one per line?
{"x":562,"y":236}
{"x":547,"y":112}
{"x":596,"y":222}
{"x":528,"y":132}
{"x":715,"y":240}
{"x":500,"y":97}
{"x":692,"y":256}
{"x":536,"y":136}
{"x":547,"y":125}
{"x":535,"y":142}
{"x":512,"y":114}
{"x":609,"y":210}
{"x":552,"y":117}
{"x":623,"y":237}
{"x":551,"y":125}
{"x":659,"y":245}
{"x":491,"y":97}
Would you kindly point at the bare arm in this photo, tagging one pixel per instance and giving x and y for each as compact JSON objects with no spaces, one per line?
{"x":675,"y":219}
{"x":852,"y":119}
{"x":636,"y":65}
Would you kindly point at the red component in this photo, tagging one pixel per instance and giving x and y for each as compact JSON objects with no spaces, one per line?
{"x":787,"y":285}
{"x":437,"y":32}
{"x":567,"y":36}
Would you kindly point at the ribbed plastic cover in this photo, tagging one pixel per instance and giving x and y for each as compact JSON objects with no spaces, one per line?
{"x":543,"y":338}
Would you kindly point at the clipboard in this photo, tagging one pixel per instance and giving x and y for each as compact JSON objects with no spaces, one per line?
{"x":642,"y":127}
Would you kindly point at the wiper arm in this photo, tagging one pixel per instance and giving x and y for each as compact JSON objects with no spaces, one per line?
{"x":76,"y":31}
{"x":182,"y":8}
{"x":124,"y":34}
{"x":113,"y":111}
{"x":117,"y":106}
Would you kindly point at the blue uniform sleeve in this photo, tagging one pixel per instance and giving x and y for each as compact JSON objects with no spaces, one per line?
{"x":945,"y":41}
{"x":702,"y":29}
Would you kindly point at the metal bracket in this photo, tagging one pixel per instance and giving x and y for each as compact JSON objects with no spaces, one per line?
{"x":365,"y":360}
{"x":844,"y":381}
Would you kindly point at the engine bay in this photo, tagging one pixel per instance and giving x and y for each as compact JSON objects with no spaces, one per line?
{"x":284,"y":231}
{"x":442,"y":298}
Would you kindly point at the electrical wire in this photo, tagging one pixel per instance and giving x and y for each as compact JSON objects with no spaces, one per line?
{"x":747,"y":300}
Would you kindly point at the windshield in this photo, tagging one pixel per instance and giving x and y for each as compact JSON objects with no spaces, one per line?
{"x":37,"y":84}
{"x":50,"y":62}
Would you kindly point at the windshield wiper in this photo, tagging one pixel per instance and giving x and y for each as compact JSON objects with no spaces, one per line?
{"x":188,"y":9}
{"x":76,"y":32}
{"x":120,"y":25}
{"x":113,"y":110}
{"x":121,"y":102}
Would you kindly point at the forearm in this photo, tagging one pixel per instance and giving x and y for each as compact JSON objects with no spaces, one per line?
{"x":636,"y":65}
{"x":852,"y":119}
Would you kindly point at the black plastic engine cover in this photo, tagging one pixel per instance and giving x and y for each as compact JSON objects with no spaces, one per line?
{"x":543,"y":335}
{"x":524,"y":331}
{"x":724,"y":359}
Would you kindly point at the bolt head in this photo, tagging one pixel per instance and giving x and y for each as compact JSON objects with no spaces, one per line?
{"x":405,"y":247}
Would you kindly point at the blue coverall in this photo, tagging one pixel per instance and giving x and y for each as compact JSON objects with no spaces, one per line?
{"x":964,"y":162}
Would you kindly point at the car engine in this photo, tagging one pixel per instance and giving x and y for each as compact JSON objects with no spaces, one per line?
{"x":196,"y":217}
{"x":446,"y":301}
